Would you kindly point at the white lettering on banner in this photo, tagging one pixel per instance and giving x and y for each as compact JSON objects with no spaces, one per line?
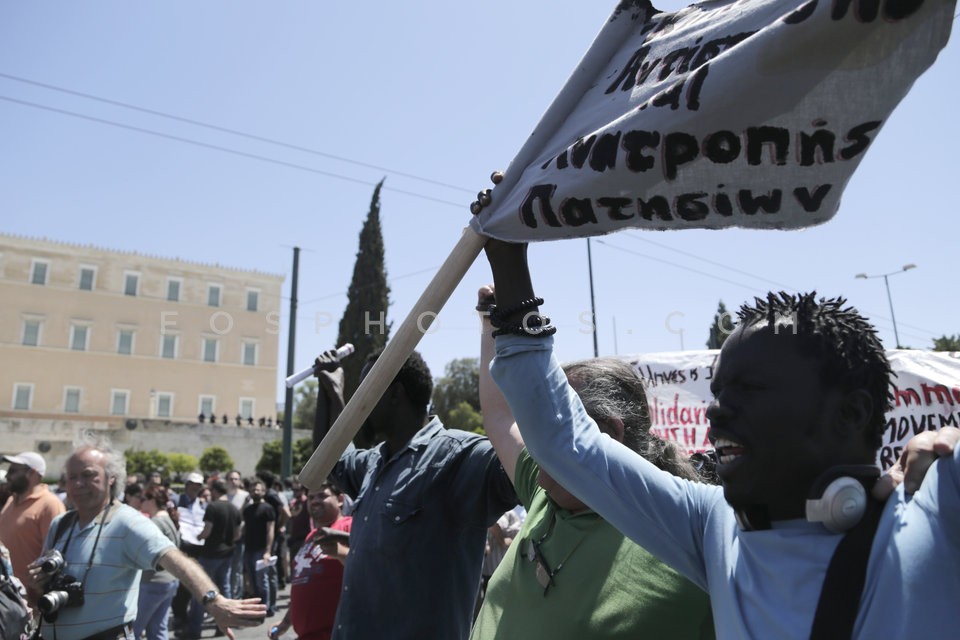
{"x":926,"y":396}
{"x":722,"y":114}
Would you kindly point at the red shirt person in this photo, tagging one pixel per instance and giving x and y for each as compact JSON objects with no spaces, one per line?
{"x":317,"y":573}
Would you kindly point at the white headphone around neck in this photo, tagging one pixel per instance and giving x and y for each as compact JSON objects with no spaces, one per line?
{"x":838,"y":498}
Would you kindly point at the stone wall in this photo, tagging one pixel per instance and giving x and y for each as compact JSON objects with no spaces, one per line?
{"x":53,"y":438}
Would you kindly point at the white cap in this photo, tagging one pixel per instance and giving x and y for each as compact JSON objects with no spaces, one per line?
{"x":29,"y":459}
{"x":195,"y":477}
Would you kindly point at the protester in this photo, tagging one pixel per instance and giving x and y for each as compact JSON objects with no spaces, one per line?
{"x":424,"y":499}
{"x":276,"y":576}
{"x":133,"y":495}
{"x":26,"y":516}
{"x":157,"y":587}
{"x":299,"y":525}
{"x":221,"y":526}
{"x":105,"y":546}
{"x":258,"y":519}
{"x":569,"y":573}
{"x":239,"y":498}
{"x":801,"y":388}
{"x":316,"y":576}
{"x":190,"y":508}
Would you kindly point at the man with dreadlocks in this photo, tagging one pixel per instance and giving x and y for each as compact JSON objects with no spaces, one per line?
{"x":800,"y":391}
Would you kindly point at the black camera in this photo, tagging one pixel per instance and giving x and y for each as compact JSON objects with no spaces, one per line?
{"x":61,"y":590}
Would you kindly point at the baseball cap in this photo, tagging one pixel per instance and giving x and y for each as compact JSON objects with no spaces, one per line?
{"x":29,"y":459}
{"x":195,"y":477}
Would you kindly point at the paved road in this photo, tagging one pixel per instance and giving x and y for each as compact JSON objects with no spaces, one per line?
{"x":254,"y":633}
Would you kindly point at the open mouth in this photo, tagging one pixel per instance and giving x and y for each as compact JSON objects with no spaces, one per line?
{"x":728,"y":450}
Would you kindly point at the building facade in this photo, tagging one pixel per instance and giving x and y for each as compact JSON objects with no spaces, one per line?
{"x":99,"y":334}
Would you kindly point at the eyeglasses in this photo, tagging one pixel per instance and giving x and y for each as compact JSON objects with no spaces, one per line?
{"x":544,"y":572}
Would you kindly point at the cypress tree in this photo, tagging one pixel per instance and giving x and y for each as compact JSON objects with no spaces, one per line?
{"x":721,"y":327}
{"x":364,"y":322}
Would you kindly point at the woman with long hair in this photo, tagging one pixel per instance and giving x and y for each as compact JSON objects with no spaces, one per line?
{"x":157,"y":588}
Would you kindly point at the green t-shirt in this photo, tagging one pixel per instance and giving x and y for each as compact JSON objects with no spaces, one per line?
{"x":607,"y":586}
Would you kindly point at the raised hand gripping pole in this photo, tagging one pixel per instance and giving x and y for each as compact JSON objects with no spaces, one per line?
{"x":397,"y":351}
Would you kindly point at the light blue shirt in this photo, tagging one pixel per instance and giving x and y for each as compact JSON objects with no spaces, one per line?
{"x":762,"y":584}
{"x":129,"y":543}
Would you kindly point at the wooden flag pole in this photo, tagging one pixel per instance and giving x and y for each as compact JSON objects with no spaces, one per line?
{"x":398,"y":349}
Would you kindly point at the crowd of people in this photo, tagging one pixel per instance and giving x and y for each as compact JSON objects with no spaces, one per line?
{"x":570,"y":519}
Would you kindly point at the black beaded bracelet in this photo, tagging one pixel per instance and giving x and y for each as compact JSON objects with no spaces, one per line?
{"x":498,"y":315}
{"x":533,"y":325}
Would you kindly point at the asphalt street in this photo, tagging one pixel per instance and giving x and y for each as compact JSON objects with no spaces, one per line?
{"x":259,"y":632}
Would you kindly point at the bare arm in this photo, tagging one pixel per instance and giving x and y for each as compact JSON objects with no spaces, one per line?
{"x":497,"y":418}
{"x":270,"y":535}
{"x":228,"y":613}
{"x":207,"y":529}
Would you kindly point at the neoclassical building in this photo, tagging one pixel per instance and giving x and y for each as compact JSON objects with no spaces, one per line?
{"x":92,"y":333}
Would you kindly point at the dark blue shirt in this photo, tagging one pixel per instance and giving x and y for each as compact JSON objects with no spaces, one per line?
{"x":419,"y":528}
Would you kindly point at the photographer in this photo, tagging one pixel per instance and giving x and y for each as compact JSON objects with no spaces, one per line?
{"x":90,"y":573}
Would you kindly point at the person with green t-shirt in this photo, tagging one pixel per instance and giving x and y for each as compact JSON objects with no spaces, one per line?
{"x":569,"y":573}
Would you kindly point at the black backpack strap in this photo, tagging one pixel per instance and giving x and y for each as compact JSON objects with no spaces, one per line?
{"x":846,"y":575}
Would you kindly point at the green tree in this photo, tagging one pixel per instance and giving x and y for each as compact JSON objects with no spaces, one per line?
{"x":216,"y":459}
{"x":364,"y":321}
{"x":270,"y":456}
{"x":947,"y":343}
{"x":459,"y":384}
{"x":305,"y":404}
{"x":465,"y":417}
{"x":720,"y":328}
{"x":145,"y":462}
{"x":181,"y":462}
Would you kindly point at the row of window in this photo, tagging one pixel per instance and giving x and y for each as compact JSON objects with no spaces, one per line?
{"x":80,"y":339}
{"x":120,"y":401}
{"x":87,"y":278}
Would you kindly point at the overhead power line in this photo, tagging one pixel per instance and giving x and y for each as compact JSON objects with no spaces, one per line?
{"x":235,"y":132}
{"x":235,"y":152}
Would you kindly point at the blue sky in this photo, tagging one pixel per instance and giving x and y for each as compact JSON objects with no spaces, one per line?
{"x":433,"y":96}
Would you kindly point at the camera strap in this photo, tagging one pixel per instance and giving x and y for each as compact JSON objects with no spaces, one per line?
{"x":96,"y":541}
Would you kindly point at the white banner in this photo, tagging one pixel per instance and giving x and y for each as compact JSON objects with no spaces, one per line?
{"x":749,"y":113}
{"x":927,"y":396}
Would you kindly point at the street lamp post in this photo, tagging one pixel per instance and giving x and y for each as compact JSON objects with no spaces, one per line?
{"x":886,"y":283}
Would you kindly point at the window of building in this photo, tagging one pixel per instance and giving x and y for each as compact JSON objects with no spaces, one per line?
{"x":38,"y":271}
{"x":22,"y":396}
{"x":79,"y":336}
{"x":253,"y":299}
{"x":119,"y":401}
{"x":131,"y":284}
{"x":168,"y":345}
{"x":250,"y":353}
{"x":246,"y":408}
{"x":210,"y":349}
{"x":213,"y":295}
{"x":164,"y":405}
{"x":125,"y":341}
{"x":31,"y":333}
{"x":71,"y":400}
{"x":208,"y":406}
{"x":173,"y":289}
{"x":88,"y":278}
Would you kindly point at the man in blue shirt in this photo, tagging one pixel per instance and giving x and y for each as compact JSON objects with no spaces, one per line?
{"x":424,"y":498}
{"x":105,"y":545}
{"x":801,"y":387}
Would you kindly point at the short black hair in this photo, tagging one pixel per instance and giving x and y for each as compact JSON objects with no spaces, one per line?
{"x":851,"y":355}
{"x":415,"y":377}
{"x":330,"y":484}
